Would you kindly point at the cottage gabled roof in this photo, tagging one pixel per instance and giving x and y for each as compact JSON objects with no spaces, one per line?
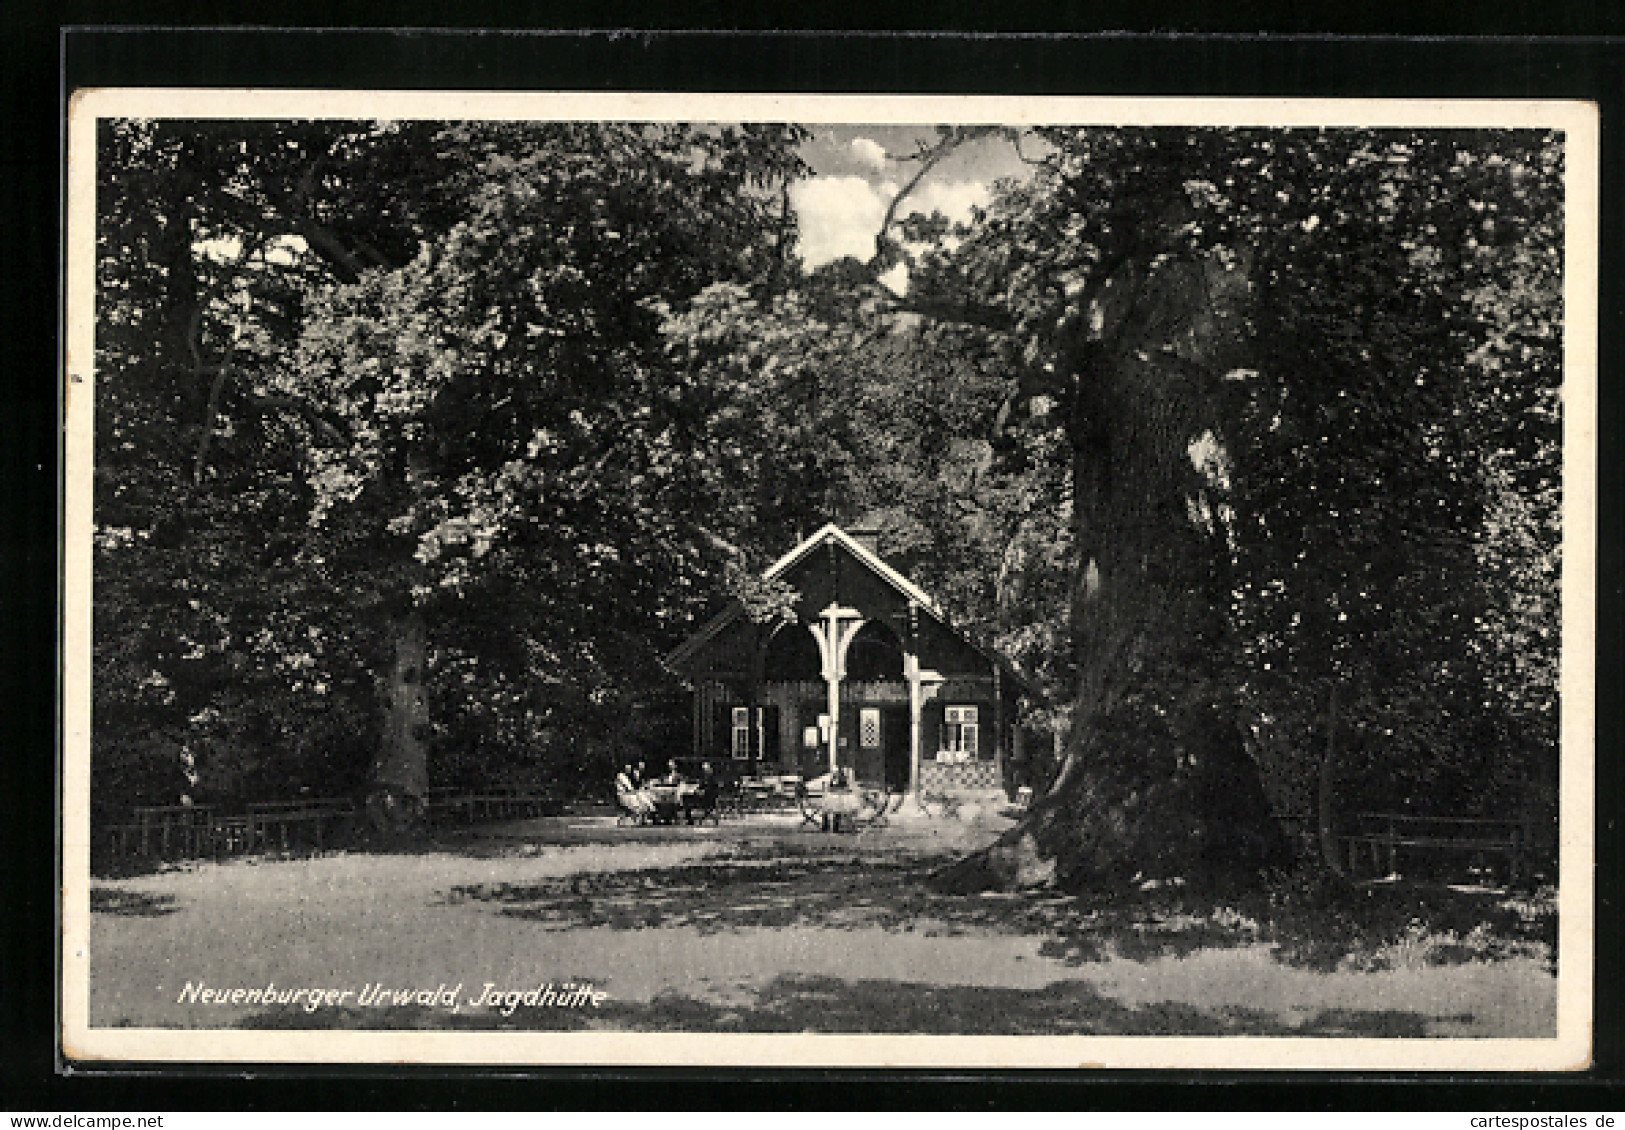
{"x":863,"y":553}
{"x":833,"y":533}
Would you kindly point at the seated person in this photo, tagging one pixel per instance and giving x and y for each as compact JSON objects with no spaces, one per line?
{"x":704,"y":797}
{"x":630,"y":797}
{"x":841,"y":800}
{"x":672,"y":777}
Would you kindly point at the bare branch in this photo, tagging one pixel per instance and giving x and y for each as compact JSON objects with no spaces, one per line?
{"x":194,"y":331}
{"x":322,"y":241}
{"x":727,"y":548}
{"x":1015,"y":142}
{"x":929,"y":157}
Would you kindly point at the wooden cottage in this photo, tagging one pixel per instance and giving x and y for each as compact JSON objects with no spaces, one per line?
{"x":868,"y":676}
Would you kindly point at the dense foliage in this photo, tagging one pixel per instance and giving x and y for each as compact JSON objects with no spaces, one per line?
{"x":1245,"y":443}
{"x":439,"y":415}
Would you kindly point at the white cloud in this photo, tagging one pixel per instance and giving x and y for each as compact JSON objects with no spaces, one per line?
{"x":838,"y":216}
{"x":286,"y":250}
{"x":868,"y":153}
{"x":953,"y":199}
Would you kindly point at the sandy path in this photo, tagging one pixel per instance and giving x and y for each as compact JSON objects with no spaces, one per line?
{"x":346,"y":921}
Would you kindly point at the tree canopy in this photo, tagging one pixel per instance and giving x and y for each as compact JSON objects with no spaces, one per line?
{"x":418,"y":443}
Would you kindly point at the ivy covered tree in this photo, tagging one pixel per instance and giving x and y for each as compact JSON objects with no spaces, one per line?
{"x":1267,"y":353}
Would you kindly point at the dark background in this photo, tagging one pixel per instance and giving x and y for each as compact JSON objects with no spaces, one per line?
{"x":1574,"y":50}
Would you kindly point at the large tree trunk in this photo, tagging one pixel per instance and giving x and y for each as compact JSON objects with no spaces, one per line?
{"x":1325,"y":816}
{"x":1156,"y":782}
{"x":401,"y":769}
{"x":1188,"y":804}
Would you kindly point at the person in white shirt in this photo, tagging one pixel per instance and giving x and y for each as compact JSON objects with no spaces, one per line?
{"x":631,"y":797}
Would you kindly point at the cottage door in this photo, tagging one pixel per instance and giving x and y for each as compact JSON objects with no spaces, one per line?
{"x":814,"y":755}
{"x":894,"y":738}
{"x":849,"y":751}
{"x":868,"y":762}
{"x":766,"y":738}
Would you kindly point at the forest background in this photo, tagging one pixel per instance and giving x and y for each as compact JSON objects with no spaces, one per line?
{"x":419,"y":443}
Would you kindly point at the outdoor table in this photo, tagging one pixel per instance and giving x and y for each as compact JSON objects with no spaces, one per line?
{"x":828,"y":808}
{"x":756,"y":796}
{"x":843,"y":802}
{"x":668,"y":800}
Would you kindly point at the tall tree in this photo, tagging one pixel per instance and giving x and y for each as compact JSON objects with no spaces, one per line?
{"x":365,"y":388}
{"x":221,"y":664}
{"x":517,"y":437}
{"x":1244,"y":371}
{"x":1366,"y":481}
{"x":1262,"y":348}
{"x":1248,"y":438}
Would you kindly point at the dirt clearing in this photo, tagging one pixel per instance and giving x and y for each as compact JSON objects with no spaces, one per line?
{"x":771,"y":929}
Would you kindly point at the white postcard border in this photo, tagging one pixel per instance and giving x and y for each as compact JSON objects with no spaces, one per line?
{"x":1569,"y":1050}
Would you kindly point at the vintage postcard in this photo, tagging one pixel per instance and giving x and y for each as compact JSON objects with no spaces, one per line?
{"x":663,"y":579}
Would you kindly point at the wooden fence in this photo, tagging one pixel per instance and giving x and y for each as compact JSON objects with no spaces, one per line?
{"x":193,"y":831}
{"x":1379,"y":844}
{"x":449,"y":806}
{"x":1384,"y":843}
{"x":309,"y":824}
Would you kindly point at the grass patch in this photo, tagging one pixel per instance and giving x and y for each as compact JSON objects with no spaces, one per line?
{"x":1323,"y":923}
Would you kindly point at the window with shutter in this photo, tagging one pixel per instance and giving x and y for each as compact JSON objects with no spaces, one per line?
{"x":959,"y":734}
{"x":741,"y":733}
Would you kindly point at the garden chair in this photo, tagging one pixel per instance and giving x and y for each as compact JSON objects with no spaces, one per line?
{"x":628,"y":812}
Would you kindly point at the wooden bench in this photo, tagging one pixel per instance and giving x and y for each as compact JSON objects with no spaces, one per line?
{"x":1382,"y":837}
{"x":735,"y":799}
{"x":772,"y":793}
{"x":234,"y":835}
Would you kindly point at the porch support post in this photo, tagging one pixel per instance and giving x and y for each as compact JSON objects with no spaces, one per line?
{"x":756,"y":742}
{"x":833,"y":639}
{"x":998,"y":722}
{"x":911,"y":672}
{"x":834,"y":682}
{"x":699,"y":714}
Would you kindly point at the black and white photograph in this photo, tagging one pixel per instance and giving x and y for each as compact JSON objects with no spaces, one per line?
{"x":709,"y":580}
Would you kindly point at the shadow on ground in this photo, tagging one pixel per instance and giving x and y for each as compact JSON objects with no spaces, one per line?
{"x":843,"y":887}
{"x":827,"y":890}
{"x":806,"y":880}
{"x":474,"y":841}
{"x":842,"y":890}
{"x":829,"y":1005}
{"x":1386,"y":925}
